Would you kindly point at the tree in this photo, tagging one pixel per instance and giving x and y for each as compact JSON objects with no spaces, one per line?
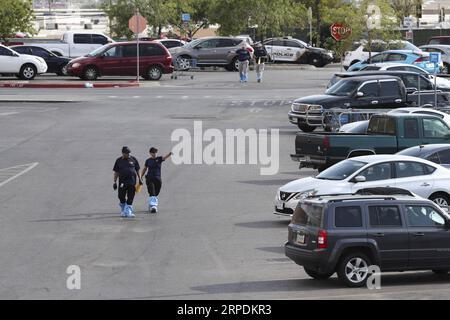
{"x":16,"y":16}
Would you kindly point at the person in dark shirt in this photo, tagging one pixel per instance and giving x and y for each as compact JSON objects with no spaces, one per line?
{"x":153,"y":178}
{"x":126,"y":169}
{"x":261,"y":58}
{"x":244,"y":56}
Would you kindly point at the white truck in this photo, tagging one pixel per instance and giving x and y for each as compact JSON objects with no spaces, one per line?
{"x":72,"y":44}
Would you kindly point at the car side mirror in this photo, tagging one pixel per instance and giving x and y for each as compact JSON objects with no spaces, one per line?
{"x":359,"y":94}
{"x":360,"y":179}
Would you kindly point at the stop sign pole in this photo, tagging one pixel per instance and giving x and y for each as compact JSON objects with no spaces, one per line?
{"x":137,"y":45}
{"x":137,"y":24}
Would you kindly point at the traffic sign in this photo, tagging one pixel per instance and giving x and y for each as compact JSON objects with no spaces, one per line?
{"x":185,"y":17}
{"x":137,"y":23}
{"x":340,"y":31}
{"x":435,"y":57}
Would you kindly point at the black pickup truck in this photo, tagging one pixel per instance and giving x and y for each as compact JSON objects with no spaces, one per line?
{"x":362,"y":92}
{"x":386,"y":134}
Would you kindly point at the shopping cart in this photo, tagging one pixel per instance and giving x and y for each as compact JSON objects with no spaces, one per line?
{"x":181,"y":67}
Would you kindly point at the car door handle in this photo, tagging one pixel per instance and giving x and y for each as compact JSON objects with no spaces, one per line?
{"x":375,"y":102}
{"x":425,"y":184}
{"x":378,"y":234}
{"x":398,"y":100}
{"x":418,"y":234}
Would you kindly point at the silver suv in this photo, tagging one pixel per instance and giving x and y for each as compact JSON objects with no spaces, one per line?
{"x":209,"y":52}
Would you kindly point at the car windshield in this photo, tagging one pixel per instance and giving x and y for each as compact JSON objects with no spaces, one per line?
{"x":307,"y":214}
{"x":98,"y":51}
{"x":341,"y":170}
{"x":343,"y":88}
{"x":193,"y":43}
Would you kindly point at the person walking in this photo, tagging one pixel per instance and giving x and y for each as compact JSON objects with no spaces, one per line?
{"x":153,"y":178}
{"x":126,"y":169}
{"x":244,"y":57}
{"x":261,"y":58}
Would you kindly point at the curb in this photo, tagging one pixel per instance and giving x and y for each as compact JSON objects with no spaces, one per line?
{"x":67,"y":85}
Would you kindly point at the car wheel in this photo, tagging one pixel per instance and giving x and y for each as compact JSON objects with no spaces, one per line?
{"x":317,"y":275}
{"x":305,"y":128}
{"x":28,"y":72}
{"x":441,"y":271}
{"x":316,"y":62}
{"x":154,"y":73}
{"x":183,"y":63}
{"x":234,"y":66}
{"x":63,"y":71}
{"x":90,"y":73}
{"x":441,"y":199}
{"x":353,"y":270}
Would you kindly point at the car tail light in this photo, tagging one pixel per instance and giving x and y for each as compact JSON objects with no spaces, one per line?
{"x":326,"y":143}
{"x":168,"y":60}
{"x":322,"y":239}
{"x":421,"y":59}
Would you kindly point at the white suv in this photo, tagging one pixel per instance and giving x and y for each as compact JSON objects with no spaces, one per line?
{"x":24,"y":66}
{"x":360,"y":53}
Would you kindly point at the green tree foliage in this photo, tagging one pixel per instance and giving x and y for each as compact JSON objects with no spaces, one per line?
{"x":16,"y":16}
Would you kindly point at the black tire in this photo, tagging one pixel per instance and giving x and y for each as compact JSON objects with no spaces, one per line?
{"x":90,"y":73}
{"x":441,"y":199}
{"x":316,"y":62}
{"x":183,"y":63}
{"x":348,"y":276}
{"x":441,"y":271}
{"x":317,"y":275}
{"x":62,"y":71}
{"x":234,"y":64}
{"x":305,"y":128}
{"x":154,"y":73}
{"x":28,"y":72}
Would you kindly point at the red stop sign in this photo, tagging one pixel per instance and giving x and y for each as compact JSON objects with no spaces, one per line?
{"x":340,"y":31}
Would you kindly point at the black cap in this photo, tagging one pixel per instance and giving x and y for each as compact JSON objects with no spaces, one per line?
{"x":153,"y":150}
{"x":126,"y":150}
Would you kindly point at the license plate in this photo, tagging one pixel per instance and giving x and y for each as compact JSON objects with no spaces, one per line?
{"x":300,"y":239}
{"x":279,"y":205}
{"x":307,"y":158}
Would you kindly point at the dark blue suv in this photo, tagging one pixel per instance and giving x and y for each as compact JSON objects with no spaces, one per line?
{"x":348,"y":234}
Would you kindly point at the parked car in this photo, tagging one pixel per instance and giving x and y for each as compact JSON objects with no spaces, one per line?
{"x":371,"y":90}
{"x":72,"y":44}
{"x":247,"y":38}
{"x":419,"y":176}
{"x":119,"y":59}
{"x":441,"y":82}
{"x":55,"y":63}
{"x":210,"y":52}
{"x":24,"y":66}
{"x":386,"y":134}
{"x":444,"y":50}
{"x":171,"y":43}
{"x":437,"y":153}
{"x":350,"y":233}
{"x":420,"y":59}
{"x":439,"y":40}
{"x":361,"y":126}
{"x":295,"y":50}
{"x":360,"y":50}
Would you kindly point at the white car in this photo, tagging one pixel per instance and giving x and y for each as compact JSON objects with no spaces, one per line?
{"x":360,"y":53}
{"x":444,"y":50}
{"x":24,"y":66}
{"x":421,"y":177}
{"x":441,"y":83}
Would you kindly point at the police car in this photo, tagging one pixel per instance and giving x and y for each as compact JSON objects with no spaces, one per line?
{"x":289,"y":49}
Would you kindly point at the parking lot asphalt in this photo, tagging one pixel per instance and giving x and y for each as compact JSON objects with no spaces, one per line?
{"x":215,"y":236}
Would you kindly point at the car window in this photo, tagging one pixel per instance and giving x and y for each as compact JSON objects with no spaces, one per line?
{"x":381,"y":125}
{"x":414,"y":81}
{"x":410,"y":169}
{"x":279,"y":43}
{"x":435,"y":128}
{"x":22,"y":50}
{"x":384,"y":216}
{"x":434,"y":158}
{"x":211,"y":43}
{"x":99,"y":39}
{"x":423,"y":216}
{"x":40,"y":52}
{"x":341,"y":170}
{"x":129,"y":51}
{"x":444,"y":156}
{"x":398,"y":68}
{"x":370,"y":68}
{"x":389,"y":89}
{"x":269,"y":43}
{"x":381,"y":171}
{"x":222,"y":43}
{"x":308,"y":215}
{"x":5,"y":52}
{"x":411,"y":127}
{"x":292,"y":44}
{"x":395,"y":57}
{"x":82,"y":38}
{"x":377,"y":58}
{"x":430,"y":113}
{"x":149,"y":50}
{"x":369,"y":89}
{"x":113,"y":52}
{"x":345,"y":217}
{"x":171,"y":44}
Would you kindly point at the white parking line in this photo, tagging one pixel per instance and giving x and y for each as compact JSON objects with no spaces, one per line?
{"x":22,"y":169}
{"x":8,"y":113}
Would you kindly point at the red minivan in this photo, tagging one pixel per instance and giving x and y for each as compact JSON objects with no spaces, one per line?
{"x":120,"y":59}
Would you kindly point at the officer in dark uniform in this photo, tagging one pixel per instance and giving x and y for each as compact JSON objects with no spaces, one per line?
{"x":153,"y":177}
{"x":126,"y":169}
